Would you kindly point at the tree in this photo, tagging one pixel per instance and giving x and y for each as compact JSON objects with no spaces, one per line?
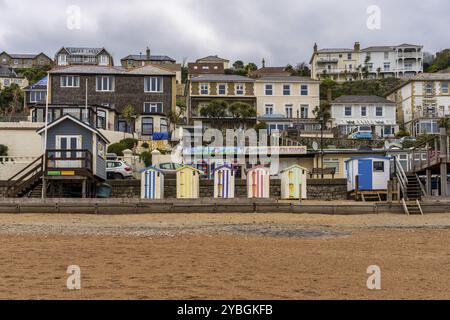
{"x":238,"y":65}
{"x":11,"y":100}
{"x":34,"y":74}
{"x":129,"y":115}
{"x":440,"y":62}
{"x":242,"y":112}
{"x":216,"y":111}
{"x":251,"y":67}
{"x":322,"y":112}
{"x":302,"y":70}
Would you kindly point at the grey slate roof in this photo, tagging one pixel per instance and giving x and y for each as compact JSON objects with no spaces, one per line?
{"x":221,"y":77}
{"x":332,"y":50}
{"x":213,"y":58}
{"x":361,"y":99}
{"x":432,"y":76}
{"x":378,"y":48}
{"x":143,"y":57}
{"x":87,"y":69}
{"x":23,"y":56}
{"x":285,"y":78}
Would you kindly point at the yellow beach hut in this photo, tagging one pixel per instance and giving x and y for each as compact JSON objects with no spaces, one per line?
{"x":293,"y":182}
{"x":188,"y":182}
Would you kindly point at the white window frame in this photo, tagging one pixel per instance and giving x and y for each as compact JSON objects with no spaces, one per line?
{"x":104,"y":60}
{"x":289,"y":89}
{"x":239,"y":87}
{"x":110,"y":83}
{"x":351,"y":111}
{"x":269,"y":106}
{"x":302,"y":108}
{"x":361,"y":111}
{"x":291,"y":107}
{"x":267,"y":89}
{"x":218,"y":89}
{"x":75,"y":84}
{"x":301,"y":90}
{"x":202,"y":87}
{"x":150,"y":87}
{"x":376,"y":111}
{"x":153,"y":107}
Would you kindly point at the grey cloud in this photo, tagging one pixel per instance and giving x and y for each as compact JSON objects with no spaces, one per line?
{"x":282,"y":31}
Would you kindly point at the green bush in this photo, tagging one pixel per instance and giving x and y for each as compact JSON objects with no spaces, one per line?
{"x":129,"y":143}
{"x":117,"y":148}
{"x":146,"y":156}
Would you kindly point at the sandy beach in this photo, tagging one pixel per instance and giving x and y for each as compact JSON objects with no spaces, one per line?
{"x":224,"y":256}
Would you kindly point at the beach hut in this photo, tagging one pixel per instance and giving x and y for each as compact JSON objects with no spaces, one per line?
{"x":188,"y":182}
{"x":258,"y":182}
{"x":224,"y":182}
{"x":152,"y":183}
{"x":293,"y":182}
{"x":368,"y":173}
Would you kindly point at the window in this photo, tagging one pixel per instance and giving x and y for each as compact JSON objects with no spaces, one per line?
{"x":6,"y":82}
{"x":363,"y":111}
{"x":349,"y":56}
{"x":379,"y":111}
{"x":163,"y":125}
{"x":304,"y":111}
{"x":239,"y":89}
{"x":288,"y":108}
{"x":348,"y":111}
{"x":153,"y":84}
{"x":70,"y":81}
{"x":36,"y":96}
{"x":387,"y":66}
{"x":16,"y":61}
{"x":104,"y":61}
{"x":62,"y":59}
{"x":269,"y":109}
{"x":205,"y":67}
{"x":429,"y":88}
{"x":444,"y":87}
{"x":386,"y":55}
{"x":101,"y":119}
{"x":147,"y":126}
{"x":269,"y":90}
{"x":122,"y":126}
{"x":204,"y":88}
{"x":153,"y":107}
{"x":286,"y":90}
{"x":304,"y":90}
{"x":105,"y":83}
{"x":378,"y":166}
{"x":331,"y":163}
{"x":388,"y":130}
{"x":222,"y":89}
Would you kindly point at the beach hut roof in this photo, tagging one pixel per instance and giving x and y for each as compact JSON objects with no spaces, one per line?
{"x":258,"y":167}
{"x":151,"y":168}
{"x":190,"y":168}
{"x":368,"y":157}
{"x":224,"y":166}
{"x":294,"y":166}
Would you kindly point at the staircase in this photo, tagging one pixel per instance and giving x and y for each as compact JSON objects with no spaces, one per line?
{"x":27,"y":182}
{"x":413,"y":190}
{"x":412,"y":207}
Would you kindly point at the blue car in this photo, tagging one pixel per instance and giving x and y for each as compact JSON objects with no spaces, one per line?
{"x":362,"y":133}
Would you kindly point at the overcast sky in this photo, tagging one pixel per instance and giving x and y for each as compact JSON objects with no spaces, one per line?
{"x":281,"y":31}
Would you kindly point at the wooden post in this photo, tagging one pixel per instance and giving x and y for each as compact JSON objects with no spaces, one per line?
{"x":389,"y":191}
{"x":83,"y":189}
{"x":443,"y":162}
{"x":356,"y":186}
{"x":428,"y":186}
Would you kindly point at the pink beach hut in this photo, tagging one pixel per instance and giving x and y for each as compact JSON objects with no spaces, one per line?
{"x":258,"y":182}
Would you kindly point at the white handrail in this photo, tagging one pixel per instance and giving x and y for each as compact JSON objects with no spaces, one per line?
{"x":401,"y":177}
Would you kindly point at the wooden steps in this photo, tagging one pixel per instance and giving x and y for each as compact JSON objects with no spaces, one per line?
{"x":412,"y":207}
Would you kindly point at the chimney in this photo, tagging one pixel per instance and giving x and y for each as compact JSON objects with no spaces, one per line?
{"x":357,"y":47}
{"x":263,"y":63}
{"x":148,"y":53}
{"x":315,"y":47}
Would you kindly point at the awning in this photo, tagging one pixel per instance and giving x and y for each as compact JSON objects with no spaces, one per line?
{"x":367,"y":122}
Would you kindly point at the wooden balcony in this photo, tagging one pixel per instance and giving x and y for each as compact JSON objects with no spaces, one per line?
{"x":68,"y":163}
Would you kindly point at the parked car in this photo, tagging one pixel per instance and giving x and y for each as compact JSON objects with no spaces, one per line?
{"x":168,"y":167}
{"x":362,"y":132}
{"x":408,"y":139}
{"x":118,"y":169}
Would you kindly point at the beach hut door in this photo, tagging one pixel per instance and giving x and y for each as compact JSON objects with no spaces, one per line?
{"x":365,"y":174}
{"x":69,"y":143}
{"x":291,"y":184}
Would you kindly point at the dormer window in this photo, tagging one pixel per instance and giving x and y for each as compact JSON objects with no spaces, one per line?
{"x":104,"y":61}
{"x":62,"y":59}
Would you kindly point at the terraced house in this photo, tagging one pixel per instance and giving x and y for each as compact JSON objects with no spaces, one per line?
{"x":422,"y":101}
{"x":285,"y":100}
{"x":203,"y":89}
{"x":18,"y":61}
{"x":100,"y":94}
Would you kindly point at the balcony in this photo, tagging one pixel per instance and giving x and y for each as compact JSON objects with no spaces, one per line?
{"x":327,"y":60}
{"x":410,"y":55}
{"x":71,"y":162}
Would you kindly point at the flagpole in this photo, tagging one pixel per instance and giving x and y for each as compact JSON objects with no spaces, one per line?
{"x":86,"y":107}
{"x":44,"y":187}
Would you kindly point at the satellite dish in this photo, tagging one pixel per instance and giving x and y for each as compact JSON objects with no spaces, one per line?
{"x":315,"y":145}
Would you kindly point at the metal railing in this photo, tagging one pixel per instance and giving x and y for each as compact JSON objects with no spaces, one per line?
{"x":68,"y":159}
{"x":402,"y":178}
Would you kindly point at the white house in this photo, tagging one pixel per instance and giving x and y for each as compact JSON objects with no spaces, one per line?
{"x":422,"y":101}
{"x":350,"y":112}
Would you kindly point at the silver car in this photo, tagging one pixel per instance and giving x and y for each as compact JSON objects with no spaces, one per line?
{"x":118,"y":169}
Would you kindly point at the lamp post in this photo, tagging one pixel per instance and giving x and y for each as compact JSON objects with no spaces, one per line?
{"x":321,"y":144}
